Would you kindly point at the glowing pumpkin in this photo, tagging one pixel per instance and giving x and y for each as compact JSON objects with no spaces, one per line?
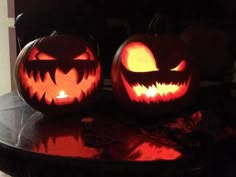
{"x":57,"y":74}
{"x":154,"y":75}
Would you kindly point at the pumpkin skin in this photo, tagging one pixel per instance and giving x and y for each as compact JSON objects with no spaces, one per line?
{"x":58,"y":74}
{"x":154,"y":75}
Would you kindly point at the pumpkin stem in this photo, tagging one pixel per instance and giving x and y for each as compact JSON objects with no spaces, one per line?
{"x":158,"y":24}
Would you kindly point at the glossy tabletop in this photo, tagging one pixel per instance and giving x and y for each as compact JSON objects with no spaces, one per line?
{"x":106,"y":140}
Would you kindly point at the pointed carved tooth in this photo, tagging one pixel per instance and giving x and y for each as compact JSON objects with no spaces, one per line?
{"x":80,"y":97}
{"x":52,"y":102}
{"x":35,"y":73}
{"x":86,"y":73}
{"x":43,"y":97}
{"x":44,"y":100}
{"x":52,"y":75}
{"x":83,"y":94}
{"x":80,"y":76}
{"x":42,"y":75}
{"x":34,"y":97}
{"x":185,"y":83}
{"x":28,"y":70}
{"x":44,"y":142}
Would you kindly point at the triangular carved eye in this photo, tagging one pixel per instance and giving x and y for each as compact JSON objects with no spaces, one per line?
{"x":137,"y":57}
{"x":83,"y":56}
{"x":180,"y":67}
{"x":87,"y":55}
{"x":44,"y":56}
{"x":35,"y":54}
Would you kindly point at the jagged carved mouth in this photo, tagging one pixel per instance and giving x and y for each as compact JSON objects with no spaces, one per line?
{"x":57,"y":87}
{"x":157,"y":92}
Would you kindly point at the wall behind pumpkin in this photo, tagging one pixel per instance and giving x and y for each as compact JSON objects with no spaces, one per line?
{"x":7,"y":45}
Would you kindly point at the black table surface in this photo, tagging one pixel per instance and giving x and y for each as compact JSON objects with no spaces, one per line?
{"x":108,"y":143}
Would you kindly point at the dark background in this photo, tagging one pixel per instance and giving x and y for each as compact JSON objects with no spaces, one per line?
{"x":125,"y":8}
{"x":111,"y":21}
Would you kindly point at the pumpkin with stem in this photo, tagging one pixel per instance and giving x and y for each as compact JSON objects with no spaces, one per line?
{"x":58,"y":74}
{"x":154,"y":75}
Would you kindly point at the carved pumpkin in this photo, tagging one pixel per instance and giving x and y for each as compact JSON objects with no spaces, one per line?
{"x":154,"y":75}
{"x":57,"y":74}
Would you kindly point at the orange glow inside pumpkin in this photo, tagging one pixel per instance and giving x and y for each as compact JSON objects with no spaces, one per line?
{"x":44,"y":56}
{"x":67,"y":146}
{"x":65,"y":90}
{"x":63,"y":98}
{"x":88,"y":55}
{"x":33,"y":54}
{"x":137,"y":57}
{"x":62,"y":95}
{"x":181,"y":66}
{"x":157,"y":92}
{"x":150,"y":152}
{"x":36,"y":55}
{"x":83,"y":56}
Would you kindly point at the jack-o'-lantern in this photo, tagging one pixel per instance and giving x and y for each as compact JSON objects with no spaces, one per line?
{"x":154,"y":75}
{"x":58,"y":74}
